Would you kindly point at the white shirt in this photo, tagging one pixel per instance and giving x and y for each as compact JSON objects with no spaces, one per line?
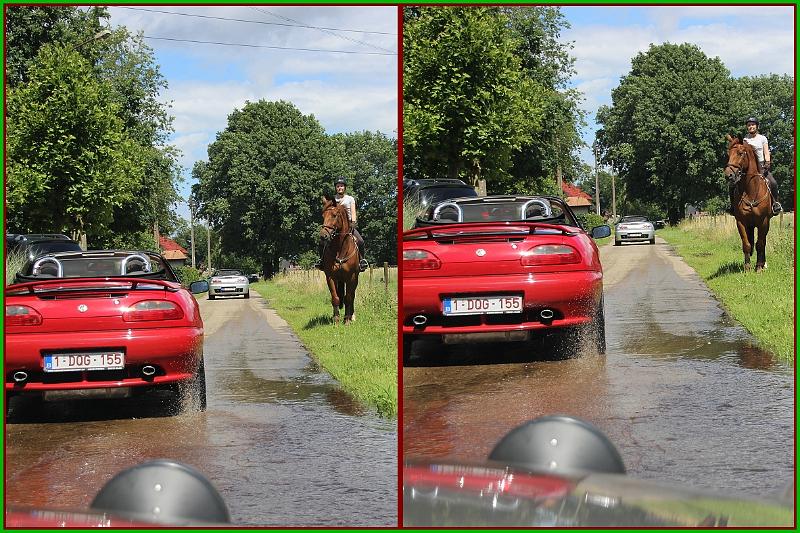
{"x":348,"y":202}
{"x":757,"y":141}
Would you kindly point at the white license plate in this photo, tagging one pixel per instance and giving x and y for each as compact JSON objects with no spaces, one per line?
{"x":481,"y":305}
{"x":66,"y":362}
{"x":227,"y":289}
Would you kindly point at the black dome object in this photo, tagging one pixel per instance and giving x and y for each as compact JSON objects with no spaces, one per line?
{"x":560,"y":444}
{"x":162,"y":491}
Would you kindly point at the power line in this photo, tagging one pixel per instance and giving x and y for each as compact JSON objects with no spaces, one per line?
{"x":321,"y":29}
{"x":269,"y":46}
{"x":298,"y":25}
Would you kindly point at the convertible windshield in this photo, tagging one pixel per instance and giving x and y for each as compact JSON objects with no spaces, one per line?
{"x":101,"y":264}
{"x":500,"y":209}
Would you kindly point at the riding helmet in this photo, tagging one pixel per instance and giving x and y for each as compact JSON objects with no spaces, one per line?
{"x":341,"y":180}
{"x":752,"y":119}
{"x":559,"y":444}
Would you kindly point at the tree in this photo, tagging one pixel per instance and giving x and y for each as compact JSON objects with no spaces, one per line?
{"x":467,"y":103}
{"x":371,"y":169}
{"x":262,"y":184}
{"x":546,"y":61}
{"x":69,"y":160}
{"x":664,"y":132}
{"x":771,"y":99}
{"x":28,"y":28}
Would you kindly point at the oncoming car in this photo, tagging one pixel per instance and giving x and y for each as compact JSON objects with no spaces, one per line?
{"x":497,"y":268}
{"x":227,"y":282}
{"x":102,"y":324}
{"x":633,"y":229}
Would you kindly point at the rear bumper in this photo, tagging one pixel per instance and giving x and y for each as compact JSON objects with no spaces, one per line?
{"x":572,"y":296}
{"x":174,"y":352}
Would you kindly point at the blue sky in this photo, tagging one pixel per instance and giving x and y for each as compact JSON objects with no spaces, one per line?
{"x":338,"y":63}
{"x":750,"y":41}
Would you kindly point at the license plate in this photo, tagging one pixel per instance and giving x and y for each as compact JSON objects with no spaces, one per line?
{"x":227,"y":289}
{"x":84,"y":361}
{"x":480,"y":305}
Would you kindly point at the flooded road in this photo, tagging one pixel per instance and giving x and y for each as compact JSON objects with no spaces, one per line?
{"x":280,"y":441}
{"x":682,"y":391}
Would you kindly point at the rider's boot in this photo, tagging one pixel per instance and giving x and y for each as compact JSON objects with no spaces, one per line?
{"x":362,"y":263}
{"x":773,"y":188}
{"x":776,"y":208}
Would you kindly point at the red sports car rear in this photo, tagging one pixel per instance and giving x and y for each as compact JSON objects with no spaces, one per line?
{"x":72,"y":336}
{"x":501,"y":279}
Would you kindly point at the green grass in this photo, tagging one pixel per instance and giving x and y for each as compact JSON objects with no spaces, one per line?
{"x":764,"y":302}
{"x":361,"y":356}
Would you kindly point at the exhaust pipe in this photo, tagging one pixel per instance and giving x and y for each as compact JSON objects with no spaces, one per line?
{"x":546,"y":314}
{"x":148,"y":370}
{"x":20,"y":376}
{"x":420,"y":320}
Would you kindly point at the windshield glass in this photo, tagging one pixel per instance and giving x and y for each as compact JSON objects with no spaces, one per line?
{"x":438,"y":194}
{"x":228,"y":273}
{"x":634,"y":219}
{"x":97,"y":265}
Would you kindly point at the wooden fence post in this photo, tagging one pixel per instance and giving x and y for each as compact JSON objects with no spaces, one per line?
{"x":386,"y":279}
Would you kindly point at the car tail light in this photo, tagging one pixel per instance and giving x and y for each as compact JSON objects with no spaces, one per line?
{"x":22,"y":315}
{"x":420,"y":260}
{"x":550,"y":254}
{"x":152,"y":310}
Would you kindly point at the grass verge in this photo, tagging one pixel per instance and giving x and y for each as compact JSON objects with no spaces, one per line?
{"x":764,"y":302}
{"x":361,"y":356}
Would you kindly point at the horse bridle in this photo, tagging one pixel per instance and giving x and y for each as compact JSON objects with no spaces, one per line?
{"x":736,"y":175}
{"x":332,"y":233}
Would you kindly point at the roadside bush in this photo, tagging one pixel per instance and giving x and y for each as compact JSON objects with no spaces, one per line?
{"x":590,"y":220}
{"x":187,"y":275}
{"x":308,"y":259}
{"x":14,"y":262}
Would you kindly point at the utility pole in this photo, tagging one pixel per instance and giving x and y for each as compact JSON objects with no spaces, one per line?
{"x":596,"y":179}
{"x":191,"y":226}
{"x":208,"y":232}
{"x":613,"y":195}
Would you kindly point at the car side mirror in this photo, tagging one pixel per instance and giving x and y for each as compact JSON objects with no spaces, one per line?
{"x":600,"y":232}
{"x":196,"y":287}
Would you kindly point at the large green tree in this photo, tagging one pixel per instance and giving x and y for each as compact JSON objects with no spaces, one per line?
{"x":664,"y":132}
{"x":70,"y":162}
{"x":262,"y":183}
{"x":125,"y":67}
{"x":370,"y":161}
{"x":546,"y":60}
{"x":468,"y":104}
{"x":771,"y":99}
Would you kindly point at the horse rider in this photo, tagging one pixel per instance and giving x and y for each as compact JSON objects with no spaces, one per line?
{"x":349,"y":203}
{"x":761,"y":148}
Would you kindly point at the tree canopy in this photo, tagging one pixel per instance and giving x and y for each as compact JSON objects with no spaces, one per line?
{"x":265,"y":175}
{"x":486,"y":96}
{"x":664,"y":133}
{"x":87,"y":135}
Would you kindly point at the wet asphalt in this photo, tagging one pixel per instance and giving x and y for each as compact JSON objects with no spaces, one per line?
{"x":685,"y":393}
{"x":281,"y":442}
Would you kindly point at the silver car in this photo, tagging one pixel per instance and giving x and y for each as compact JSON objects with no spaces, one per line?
{"x":634,"y":228}
{"x":227,"y":282}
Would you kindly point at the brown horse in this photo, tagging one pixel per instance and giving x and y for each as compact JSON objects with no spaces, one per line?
{"x":752,"y":200}
{"x":339,"y":258}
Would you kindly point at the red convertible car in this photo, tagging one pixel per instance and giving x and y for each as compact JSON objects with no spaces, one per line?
{"x":102,"y":324}
{"x":497,"y":268}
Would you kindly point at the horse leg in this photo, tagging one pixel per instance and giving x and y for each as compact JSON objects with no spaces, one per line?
{"x":747,"y":247}
{"x":761,"y":245}
{"x":335,"y":299}
{"x":340,"y":289}
{"x":350,"y":298}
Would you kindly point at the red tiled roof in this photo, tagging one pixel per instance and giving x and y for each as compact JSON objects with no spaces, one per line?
{"x":572,"y":190}
{"x":168,"y":244}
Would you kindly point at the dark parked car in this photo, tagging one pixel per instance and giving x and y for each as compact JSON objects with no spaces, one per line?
{"x":427,"y":192}
{"x":36,"y":244}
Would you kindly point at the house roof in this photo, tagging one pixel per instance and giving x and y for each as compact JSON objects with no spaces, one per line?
{"x":173,"y":255}
{"x":573,"y":191}
{"x":168,"y":244}
{"x":574,"y":201}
